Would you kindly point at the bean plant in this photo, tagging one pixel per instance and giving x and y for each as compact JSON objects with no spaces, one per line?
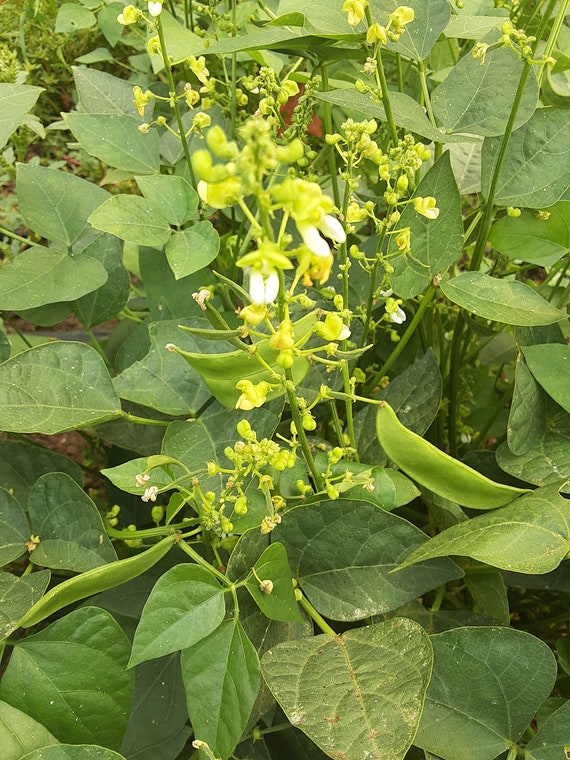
{"x":317,"y":256}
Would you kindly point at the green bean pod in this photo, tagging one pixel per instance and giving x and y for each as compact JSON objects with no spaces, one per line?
{"x":95,"y":581}
{"x":436,"y":470}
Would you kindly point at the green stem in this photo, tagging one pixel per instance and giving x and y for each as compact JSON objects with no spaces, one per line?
{"x":301,"y":435}
{"x":175,"y":106}
{"x":314,"y":615}
{"x":199,"y":560}
{"x":329,"y":130}
{"x":144,"y":420}
{"x":553,"y":36}
{"x":381,"y":80}
{"x":425,"y":92}
{"x":348,"y":407}
{"x":19,"y":238}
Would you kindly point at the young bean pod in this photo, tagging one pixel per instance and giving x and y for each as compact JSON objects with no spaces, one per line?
{"x":95,"y":581}
{"x":436,"y":470}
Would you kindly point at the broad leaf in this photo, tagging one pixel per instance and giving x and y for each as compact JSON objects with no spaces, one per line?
{"x":192,"y":249}
{"x":530,"y":535}
{"x":532,"y":238}
{"x":476,"y":98}
{"x":498,"y":677}
{"x":56,"y":387}
{"x":15,"y":102}
{"x":534,"y":173}
{"x":435,"y":243}
{"x":527,"y":416}
{"x":71,"y":674}
{"x":68,"y":524}
{"x":356,"y":695}
{"x":18,"y":596}
{"x":101,"y":93}
{"x":342,"y":554}
{"x":56,"y":204}
{"x":20,"y":734}
{"x":73,"y":752}
{"x":72,"y":16}
{"x":132,"y":218}
{"x":39,"y":275}
{"x":467,"y":27}
{"x":553,"y":737}
{"x":277,"y":601}
{"x":550,"y":365}
{"x":221,"y":678}
{"x":430,"y":19}
{"x":508,"y":301}
{"x":116,"y":140}
{"x":185,"y":606}
{"x":172,"y":196}
{"x":14,"y":528}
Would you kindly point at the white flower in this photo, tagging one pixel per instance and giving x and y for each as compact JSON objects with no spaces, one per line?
{"x":141,"y":478}
{"x":155,"y":7}
{"x":150,"y":494}
{"x":344,"y":333}
{"x":332,"y":228}
{"x":263,"y":288}
{"x":399,"y":317}
{"x":312,"y":238}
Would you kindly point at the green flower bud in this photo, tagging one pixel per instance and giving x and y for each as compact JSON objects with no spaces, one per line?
{"x":240,"y":506}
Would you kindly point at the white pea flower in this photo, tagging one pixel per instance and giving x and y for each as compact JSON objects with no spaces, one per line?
{"x":263,"y":287}
{"x":150,"y":494}
{"x":399,"y":316}
{"x":312,"y":238}
{"x":155,"y":7}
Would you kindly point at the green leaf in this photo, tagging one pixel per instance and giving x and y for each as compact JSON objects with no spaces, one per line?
{"x":56,"y":387}
{"x":162,"y":380}
{"x":20,"y":734}
{"x":550,"y":365}
{"x":530,"y":535}
{"x":221,"y":678}
{"x":173,"y":197}
{"x":14,"y":528}
{"x":22,"y":463}
{"x":342,"y":554}
{"x":527,"y":416}
{"x":435,"y":243}
{"x":407,"y":112}
{"x":39,"y":275}
{"x":180,"y":42}
{"x":430,"y":19}
{"x":99,"y":92}
{"x":356,"y":695}
{"x":71,"y":674}
{"x":70,"y":528}
{"x":107,"y":22}
{"x":466,"y":27}
{"x":277,"y":603}
{"x":508,"y":301}
{"x":116,"y":140}
{"x":553,"y":738}
{"x":190,"y":250}
{"x":533,"y":239}
{"x":488,"y":592}
{"x":56,"y":204}
{"x":158,"y":724}
{"x":15,"y":102}
{"x":534,"y":172}
{"x":185,"y":606}
{"x":133,"y":219}
{"x":476,"y":98}
{"x":18,"y":596}
{"x":73,"y":752}
{"x":499,"y":677}
{"x":72,"y":17}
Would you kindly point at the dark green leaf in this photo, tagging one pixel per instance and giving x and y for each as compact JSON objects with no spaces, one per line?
{"x":550,"y":365}
{"x":14,"y":528}
{"x":430,"y":19}
{"x":534,"y":239}
{"x":18,"y":596}
{"x":173,"y":197}
{"x":20,"y":734}
{"x":99,"y":92}
{"x":553,"y":739}
{"x":15,"y":102}
{"x":277,"y":601}
{"x":527,"y":417}
{"x":73,"y":752}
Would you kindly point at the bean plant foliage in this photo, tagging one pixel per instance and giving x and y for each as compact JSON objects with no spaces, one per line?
{"x":317,"y":255}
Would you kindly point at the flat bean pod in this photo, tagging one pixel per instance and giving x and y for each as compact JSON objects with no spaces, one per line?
{"x":95,"y":581}
{"x":436,"y":470}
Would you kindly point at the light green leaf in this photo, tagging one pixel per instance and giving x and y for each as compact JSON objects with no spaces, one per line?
{"x":185,"y":606}
{"x":435,"y":243}
{"x":162,"y":471}
{"x":73,"y":752}
{"x":529,"y":535}
{"x":466,"y":27}
{"x":406,"y":111}
{"x":466,"y":165}
{"x":56,"y":387}
{"x":20,"y":734}
{"x":192,"y":249}
{"x":356,"y":695}
{"x":534,"y":173}
{"x":133,"y":219}
{"x":476,"y":98}
{"x":39,"y":275}
{"x":486,"y":687}
{"x":532,"y":239}
{"x":173,"y":197}
{"x":22,"y":463}
{"x":99,"y":92}
{"x":116,"y":140}
{"x":14,"y":528}
{"x":278,"y":602}
{"x":15,"y":102}
{"x":107,"y":23}
{"x":550,"y":365}
{"x":553,"y":738}
{"x":18,"y":596}
{"x":509,"y":301}
{"x":70,"y":528}
{"x":180,"y":42}
{"x":70,"y":674}
{"x":342,"y":554}
{"x":72,"y":16}
{"x":221,"y":678}
{"x":430,"y":19}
